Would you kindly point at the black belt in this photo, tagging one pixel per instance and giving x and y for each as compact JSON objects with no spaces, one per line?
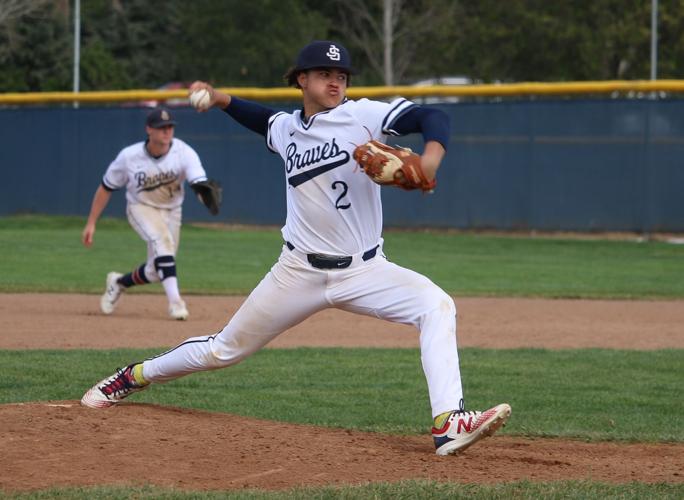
{"x":322,"y":261}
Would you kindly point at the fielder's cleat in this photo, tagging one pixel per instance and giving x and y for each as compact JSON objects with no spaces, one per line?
{"x":177,"y":310}
{"x":112,"y":293}
{"x":464,"y":428}
{"x":112,"y":390}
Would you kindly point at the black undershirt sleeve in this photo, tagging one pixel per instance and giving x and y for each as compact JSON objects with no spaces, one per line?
{"x":250,"y":114}
{"x":431,"y":122}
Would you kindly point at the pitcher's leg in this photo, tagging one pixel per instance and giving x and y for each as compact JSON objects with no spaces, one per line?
{"x":269,"y":310}
{"x":394,"y":293}
{"x":439,"y":352}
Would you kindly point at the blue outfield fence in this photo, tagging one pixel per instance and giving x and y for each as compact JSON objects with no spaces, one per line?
{"x":550,"y":165}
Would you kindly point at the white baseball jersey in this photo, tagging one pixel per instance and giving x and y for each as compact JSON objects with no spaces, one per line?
{"x":157,"y":182}
{"x":332,"y":206}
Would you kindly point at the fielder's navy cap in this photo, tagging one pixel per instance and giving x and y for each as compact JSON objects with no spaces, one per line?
{"x":159,"y":118}
{"x":323,"y":54}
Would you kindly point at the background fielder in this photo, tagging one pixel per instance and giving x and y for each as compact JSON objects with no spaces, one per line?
{"x":332,"y":255}
{"x":153,"y":173}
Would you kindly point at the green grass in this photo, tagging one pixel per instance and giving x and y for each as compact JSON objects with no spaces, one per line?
{"x":403,"y":490}
{"x":44,"y":254}
{"x":585,"y":394}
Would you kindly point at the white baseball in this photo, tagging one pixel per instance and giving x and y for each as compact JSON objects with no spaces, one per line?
{"x":200,"y":99}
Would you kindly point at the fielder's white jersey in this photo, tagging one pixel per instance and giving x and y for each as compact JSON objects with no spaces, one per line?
{"x":157,"y":182}
{"x":332,"y":205}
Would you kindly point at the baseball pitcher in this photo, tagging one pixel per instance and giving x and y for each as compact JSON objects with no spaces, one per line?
{"x":334,"y":164}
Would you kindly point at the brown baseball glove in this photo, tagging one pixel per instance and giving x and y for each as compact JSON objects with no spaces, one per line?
{"x":391,"y":166}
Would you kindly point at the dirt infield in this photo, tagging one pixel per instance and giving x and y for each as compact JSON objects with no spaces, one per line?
{"x":60,"y":443}
{"x":54,"y":321}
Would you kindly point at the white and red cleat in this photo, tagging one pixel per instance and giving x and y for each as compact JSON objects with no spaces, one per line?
{"x":464,"y":428}
{"x":112,"y":390}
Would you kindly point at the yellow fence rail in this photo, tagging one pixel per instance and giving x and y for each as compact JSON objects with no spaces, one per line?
{"x":289,"y":94}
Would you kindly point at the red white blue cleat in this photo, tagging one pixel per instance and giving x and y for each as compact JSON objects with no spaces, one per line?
{"x":465,"y":428}
{"x":112,"y":390}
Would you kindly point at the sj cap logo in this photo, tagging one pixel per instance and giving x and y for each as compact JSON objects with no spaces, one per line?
{"x":164,"y":115}
{"x":333,"y":53}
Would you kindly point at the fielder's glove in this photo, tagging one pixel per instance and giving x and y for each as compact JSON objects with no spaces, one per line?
{"x":209,"y":193}
{"x":399,"y":167}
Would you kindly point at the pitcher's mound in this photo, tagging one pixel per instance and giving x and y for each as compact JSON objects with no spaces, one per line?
{"x":60,"y":443}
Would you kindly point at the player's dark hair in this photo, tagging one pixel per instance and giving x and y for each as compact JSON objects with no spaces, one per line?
{"x":291,"y":75}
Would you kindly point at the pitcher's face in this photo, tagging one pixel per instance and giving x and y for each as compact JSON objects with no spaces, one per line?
{"x":322,"y":88}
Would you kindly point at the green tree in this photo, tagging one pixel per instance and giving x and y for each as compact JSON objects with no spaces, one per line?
{"x":236,"y":43}
{"x":537,"y":40}
{"x":36,"y":51}
{"x":389,"y":32}
{"x":147,"y":43}
{"x":100,"y":70}
{"x":129,"y":44}
{"x":671,"y":39}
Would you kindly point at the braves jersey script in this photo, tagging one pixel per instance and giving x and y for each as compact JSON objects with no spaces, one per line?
{"x":157,"y":182}
{"x":332,"y":206}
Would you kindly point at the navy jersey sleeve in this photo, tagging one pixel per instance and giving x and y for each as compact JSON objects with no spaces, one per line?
{"x":250,"y":114}
{"x":431,"y":122}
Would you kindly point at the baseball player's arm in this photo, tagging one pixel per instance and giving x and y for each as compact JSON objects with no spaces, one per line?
{"x":431,"y":158}
{"x":100,"y":201}
{"x":435,"y":128}
{"x":247,"y":113}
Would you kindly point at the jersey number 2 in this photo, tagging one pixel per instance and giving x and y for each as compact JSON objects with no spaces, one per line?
{"x":345,"y":188}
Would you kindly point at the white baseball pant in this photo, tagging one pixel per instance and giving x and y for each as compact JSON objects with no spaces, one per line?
{"x":294,"y":290}
{"x":159,"y":228}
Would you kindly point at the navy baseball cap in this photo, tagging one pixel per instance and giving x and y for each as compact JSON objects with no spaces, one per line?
{"x":323,"y":54}
{"x":159,"y":118}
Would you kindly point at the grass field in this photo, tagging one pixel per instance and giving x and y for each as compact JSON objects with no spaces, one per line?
{"x":216,"y":261}
{"x":587,"y":394}
{"x":405,"y":490}
{"x":383,"y":390}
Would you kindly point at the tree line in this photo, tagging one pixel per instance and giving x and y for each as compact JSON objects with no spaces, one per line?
{"x":129,"y":44}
